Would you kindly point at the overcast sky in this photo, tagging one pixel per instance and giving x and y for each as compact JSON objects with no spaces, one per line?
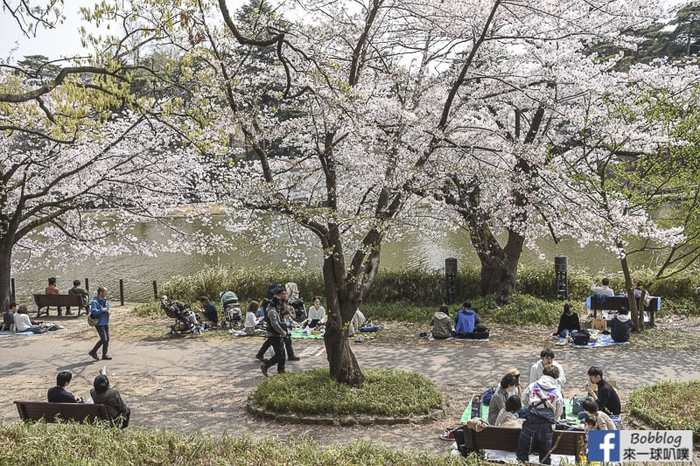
{"x":64,"y":40}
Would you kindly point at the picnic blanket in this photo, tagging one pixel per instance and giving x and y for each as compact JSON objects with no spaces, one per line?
{"x":297,"y":333}
{"x":601,"y":342}
{"x":568,"y":405}
{"x":22,"y":334}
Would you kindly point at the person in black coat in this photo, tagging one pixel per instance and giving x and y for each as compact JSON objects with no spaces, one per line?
{"x":59,"y":394}
{"x":621,"y":327}
{"x":568,"y":322}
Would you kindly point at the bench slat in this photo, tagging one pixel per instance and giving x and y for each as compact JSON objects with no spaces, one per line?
{"x":53,"y":412}
{"x":506,"y":439}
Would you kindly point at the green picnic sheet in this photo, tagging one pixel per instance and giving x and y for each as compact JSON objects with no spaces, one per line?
{"x":300,"y":334}
{"x":568,"y":404}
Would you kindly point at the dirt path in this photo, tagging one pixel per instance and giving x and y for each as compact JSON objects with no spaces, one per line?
{"x":193,"y":384}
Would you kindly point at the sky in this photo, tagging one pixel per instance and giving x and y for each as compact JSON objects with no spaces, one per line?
{"x":64,"y":40}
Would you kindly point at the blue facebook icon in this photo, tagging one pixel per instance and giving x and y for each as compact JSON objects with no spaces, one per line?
{"x":604,"y":445}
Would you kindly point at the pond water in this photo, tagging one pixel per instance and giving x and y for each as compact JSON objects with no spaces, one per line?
{"x":413,"y":251}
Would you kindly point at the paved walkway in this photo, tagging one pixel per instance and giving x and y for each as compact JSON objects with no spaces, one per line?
{"x":202,"y":384}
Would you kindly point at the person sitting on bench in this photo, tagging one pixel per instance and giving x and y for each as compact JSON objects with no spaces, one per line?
{"x":508,"y":387}
{"x":24,"y":324}
{"x":78,"y":291}
{"x":442,"y":324}
{"x":52,"y":289}
{"x":568,"y":322}
{"x":546,"y":359}
{"x":621,"y":327}
{"x":508,"y":417}
{"x":104,"y":395}
{"x":604,"y":289}
{"x":467,"y":323}
{"x":59,"y":394}
{"x":545,"y":405}
{"x":603,"y":393}
{"x":602,"y":420}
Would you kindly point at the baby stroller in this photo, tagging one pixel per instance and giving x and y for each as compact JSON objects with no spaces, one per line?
{"x":185,"y":318}
{"x":232,"y":317}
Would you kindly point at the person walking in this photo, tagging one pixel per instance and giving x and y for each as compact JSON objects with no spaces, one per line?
{"x":99,"y":310}
{"x":276,"y":331}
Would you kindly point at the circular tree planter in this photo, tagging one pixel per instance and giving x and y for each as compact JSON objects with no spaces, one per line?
{"x":388,"y":396}
{"x":669,"y":406}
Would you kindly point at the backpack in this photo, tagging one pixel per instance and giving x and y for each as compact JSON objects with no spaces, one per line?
{"x":466,"y":321}
{"x":581,"y":337}
{"x":487,"y":395}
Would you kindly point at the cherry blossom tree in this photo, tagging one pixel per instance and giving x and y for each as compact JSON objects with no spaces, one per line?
{"x":55,"y":192}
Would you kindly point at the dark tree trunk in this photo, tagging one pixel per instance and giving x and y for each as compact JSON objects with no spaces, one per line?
{"x":342,"y":304}
{"x":499,"y":265}
{"x":637,"y":317}
{"x":5,"y":274}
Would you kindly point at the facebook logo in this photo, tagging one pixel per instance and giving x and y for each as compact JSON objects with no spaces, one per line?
{"x":604,"y":445}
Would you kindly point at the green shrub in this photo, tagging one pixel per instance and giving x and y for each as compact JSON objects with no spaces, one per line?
{"x":386,"y":392}
{"x":75,"y":444}
{"x":526,"y":309}
{"x":421,"y":288}
{"x":680,"y":409}
{"x":150,"y":309}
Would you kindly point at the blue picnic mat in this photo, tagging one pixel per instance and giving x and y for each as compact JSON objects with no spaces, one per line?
{"x":601,"y":342}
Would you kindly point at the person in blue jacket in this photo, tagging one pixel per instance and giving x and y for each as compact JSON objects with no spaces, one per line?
{"x":466,"y":320}
{"x":99,"y":310}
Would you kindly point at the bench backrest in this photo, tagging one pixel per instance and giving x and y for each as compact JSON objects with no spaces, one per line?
{"x":44,"y":300}
{"x":618,"y":303}
{"x":53,"y":412}
{"x":570,"y":443}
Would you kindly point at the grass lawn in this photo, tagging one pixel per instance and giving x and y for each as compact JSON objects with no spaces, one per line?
{"x":73,"y":444}
{"x":386,"y":392}
{"x":669,"y":405}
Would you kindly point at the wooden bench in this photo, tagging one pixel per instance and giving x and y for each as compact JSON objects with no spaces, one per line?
{"x":620,"y":303}
{"x":58,"y":300}
{"x":569,"y":443}
{"x":55,"y":412}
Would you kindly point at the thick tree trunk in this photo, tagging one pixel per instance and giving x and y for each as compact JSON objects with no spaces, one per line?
{"x":637,"y":319}
{"x":499,"y":265}
{"x":5,"y":274}
{"x":342,"y":305}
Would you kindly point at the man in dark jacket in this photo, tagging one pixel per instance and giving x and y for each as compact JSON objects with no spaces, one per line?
{"x":621,"y":327}
{"x":276,"y":331}
{"x":102,"y":394}
{"x":59,"y":394}
{"x":603,"y":393}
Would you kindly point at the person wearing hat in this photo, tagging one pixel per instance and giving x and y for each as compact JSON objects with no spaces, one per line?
{"x":103,"y":394}
{"x":276,"y":331}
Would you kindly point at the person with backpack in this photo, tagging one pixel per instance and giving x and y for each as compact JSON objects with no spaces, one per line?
{"x":621,"y":327}
{"x":545,"y":405}
{"x":546,"y":359}
{"x":442,"y":324}
{"x":262,"y":312}
{"x":100,"y":310}
{"x":276,"y":331}
{"x":508,"y":387}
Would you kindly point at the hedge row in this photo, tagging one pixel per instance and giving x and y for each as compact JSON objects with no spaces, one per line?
{"x":413,"y":286}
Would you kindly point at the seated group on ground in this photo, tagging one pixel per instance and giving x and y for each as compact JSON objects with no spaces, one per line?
{"x":540,"y":408}
{"x":570,"y":327}
{"x":101,"y":393}
{"x":467,"y":324}
{"x":17,"y":319}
